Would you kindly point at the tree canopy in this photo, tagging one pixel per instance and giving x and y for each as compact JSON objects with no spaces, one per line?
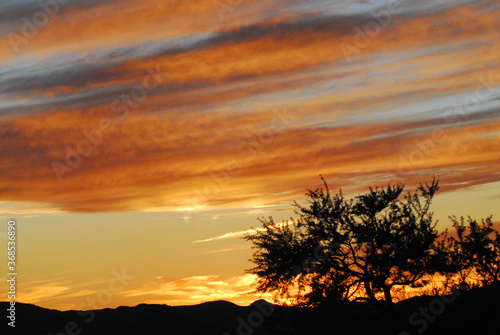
{"x":474,"y":253}
{"x":364,"y":247}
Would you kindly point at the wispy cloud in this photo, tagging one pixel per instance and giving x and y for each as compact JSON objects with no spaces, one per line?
{"x":198,"y":289}
{"x":226,"y":250}
{"x":244,"y":232}
{"x":228,"y":235}
{"x":36,"y":294}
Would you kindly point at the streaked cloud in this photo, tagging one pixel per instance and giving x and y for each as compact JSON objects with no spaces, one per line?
{"x":244,"y":232}
{"x":226,"y":250}
{"x":37,"y":294}
{"x":198,"y":289}
{"x":222,"y":81}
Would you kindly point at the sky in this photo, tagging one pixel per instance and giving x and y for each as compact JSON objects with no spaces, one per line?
{"x":140,"y":139}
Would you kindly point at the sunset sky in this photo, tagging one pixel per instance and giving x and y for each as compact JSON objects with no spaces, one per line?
{"x":145,"y":136}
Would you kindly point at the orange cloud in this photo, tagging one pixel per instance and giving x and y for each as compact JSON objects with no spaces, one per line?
{"x":98,"y":25}
{"x":221,"y":167}
{"x":206,"y":136}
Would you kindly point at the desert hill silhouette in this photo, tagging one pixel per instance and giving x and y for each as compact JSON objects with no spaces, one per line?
{"x":475,"y":311}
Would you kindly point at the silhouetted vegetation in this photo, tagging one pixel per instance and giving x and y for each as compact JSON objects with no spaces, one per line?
{"x":473,"y":256}
{"x":473,"y":312}
{"x":367,"y":247}
{"x":338,"y":262}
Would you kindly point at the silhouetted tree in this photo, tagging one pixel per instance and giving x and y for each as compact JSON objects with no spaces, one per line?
{"x":476,"y":249}
{"x":348,"y":249}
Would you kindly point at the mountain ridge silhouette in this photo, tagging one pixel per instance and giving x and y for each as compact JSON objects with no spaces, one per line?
{"x":474,"y":311}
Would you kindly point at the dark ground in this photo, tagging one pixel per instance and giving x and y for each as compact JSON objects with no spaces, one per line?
{"x":473,"y":312}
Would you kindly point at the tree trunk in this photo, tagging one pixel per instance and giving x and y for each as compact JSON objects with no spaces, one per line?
{"x":369,"y":291}
{"x":388,"y":297}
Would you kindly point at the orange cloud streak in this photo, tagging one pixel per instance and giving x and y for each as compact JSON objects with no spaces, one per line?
{"x":166,"y":152}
